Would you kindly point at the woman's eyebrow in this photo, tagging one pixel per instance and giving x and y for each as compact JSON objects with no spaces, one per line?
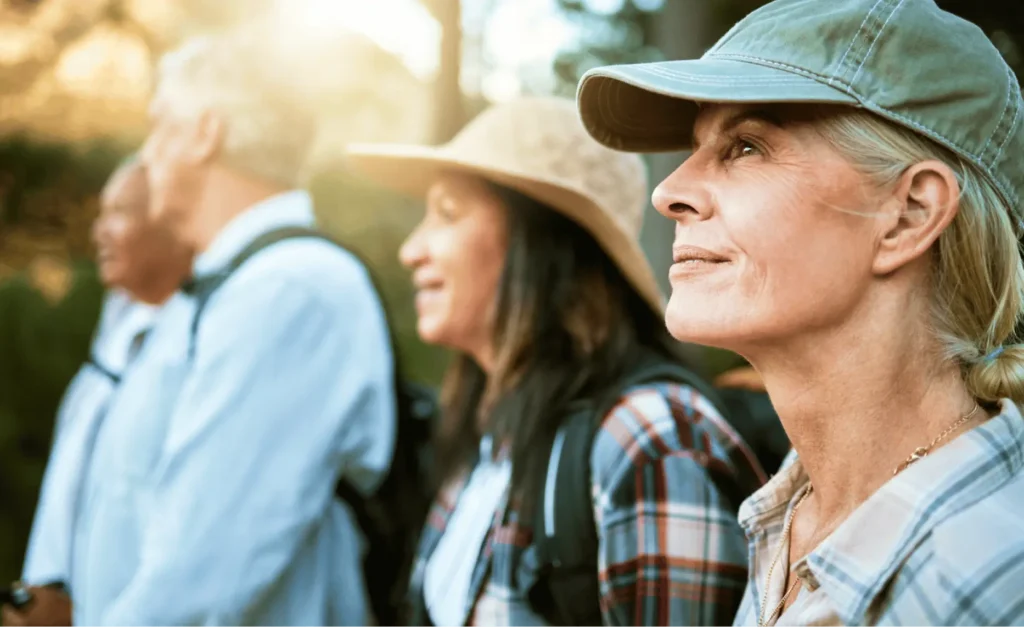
{"x":763,"y":115}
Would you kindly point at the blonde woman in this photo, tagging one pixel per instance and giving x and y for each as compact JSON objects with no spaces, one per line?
{"x":527,"y":264}
{"x":848,"y":220}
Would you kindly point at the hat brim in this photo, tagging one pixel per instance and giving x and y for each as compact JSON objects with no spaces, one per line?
{"x":651,"y":107}
{"x":411,"y":170}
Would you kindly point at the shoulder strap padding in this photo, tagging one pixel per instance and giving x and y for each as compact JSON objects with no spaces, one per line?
{"x":565,"y":533}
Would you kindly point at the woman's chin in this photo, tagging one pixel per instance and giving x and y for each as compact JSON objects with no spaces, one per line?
{"x":432,"y":332}
{"x":693,"y":325}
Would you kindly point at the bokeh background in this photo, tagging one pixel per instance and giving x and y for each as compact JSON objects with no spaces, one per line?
{"x":75,"y":77}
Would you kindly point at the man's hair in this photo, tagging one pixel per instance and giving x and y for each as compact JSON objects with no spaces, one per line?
{"x":268,"y":131}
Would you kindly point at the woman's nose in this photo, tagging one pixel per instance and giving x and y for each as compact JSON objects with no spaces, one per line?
{"x":681,"y":195}
{"x":413,"y":251}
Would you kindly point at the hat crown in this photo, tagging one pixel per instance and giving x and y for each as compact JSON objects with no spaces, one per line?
{"x":542,"y":138}
{"x":907,"y":60}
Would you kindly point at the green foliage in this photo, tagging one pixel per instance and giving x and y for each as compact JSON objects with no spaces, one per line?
{"x":624,"y":36}
{"x":28,"y":166}
{"x":606,"y":39}
{"x":41,"y":347}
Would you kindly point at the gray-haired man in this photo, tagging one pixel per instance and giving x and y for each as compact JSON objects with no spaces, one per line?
{"x":212,"y":496}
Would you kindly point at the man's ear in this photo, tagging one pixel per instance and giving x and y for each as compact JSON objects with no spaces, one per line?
{"x":208,"y":138}
{"x":923,"y":204}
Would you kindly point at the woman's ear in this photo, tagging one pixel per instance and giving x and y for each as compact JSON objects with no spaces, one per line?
{"x":924,"y":203}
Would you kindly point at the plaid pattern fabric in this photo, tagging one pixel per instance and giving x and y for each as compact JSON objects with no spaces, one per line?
{"x":942,"y":543}
{"x":670,"y":548}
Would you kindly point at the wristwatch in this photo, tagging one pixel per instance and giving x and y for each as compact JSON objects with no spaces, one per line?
{"x":17,"y":595}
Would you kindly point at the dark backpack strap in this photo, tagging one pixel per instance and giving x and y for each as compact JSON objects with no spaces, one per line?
{"x":96,"y":365}
{"x":202,"y":288}
{"x":565,"y":532}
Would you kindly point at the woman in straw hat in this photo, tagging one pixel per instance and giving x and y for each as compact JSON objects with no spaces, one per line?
{"x":848,"y":220}
{"x":527,"y":264}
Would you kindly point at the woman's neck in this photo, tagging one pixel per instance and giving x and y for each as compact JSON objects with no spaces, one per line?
{"x":857,"y":401}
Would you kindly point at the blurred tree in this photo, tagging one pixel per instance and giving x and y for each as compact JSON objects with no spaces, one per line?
{"x":622,"y":32}
{"x":47,"y":201}
{"x":637,"y":30}
{"x":449,"y":115}
{"x":35,"y":34}
{"x":42,"y":343}
{"x":48,"y":190}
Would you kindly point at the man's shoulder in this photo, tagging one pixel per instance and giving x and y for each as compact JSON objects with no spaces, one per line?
{"x":307,"y":267}
{"x":303,"y":257}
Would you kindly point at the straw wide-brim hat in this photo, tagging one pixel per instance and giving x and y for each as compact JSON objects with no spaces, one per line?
{"x":538,"y":147}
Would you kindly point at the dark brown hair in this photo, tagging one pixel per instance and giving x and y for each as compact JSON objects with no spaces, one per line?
{"x":567,"y":325}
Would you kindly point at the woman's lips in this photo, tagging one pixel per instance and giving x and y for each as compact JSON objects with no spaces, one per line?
{"x":690,"y":260}
{"x":426,"y":295}
{"x":683,"y":253}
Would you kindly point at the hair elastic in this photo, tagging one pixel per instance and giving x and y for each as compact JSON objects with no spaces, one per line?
{"x":992,"y":356}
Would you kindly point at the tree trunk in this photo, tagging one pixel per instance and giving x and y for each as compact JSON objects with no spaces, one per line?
{"x":448,"y":105}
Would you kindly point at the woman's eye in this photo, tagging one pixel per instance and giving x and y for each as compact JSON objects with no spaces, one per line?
{"x":743,"y":148}
{"x":446,"y":209}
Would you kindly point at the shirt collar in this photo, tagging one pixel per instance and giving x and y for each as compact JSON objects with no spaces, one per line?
{"x":123,"y":320}
{"x":292,"y":208}
{"x":856,"y":561}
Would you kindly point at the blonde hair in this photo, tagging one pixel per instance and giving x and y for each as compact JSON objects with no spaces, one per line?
{"x":978,"y":280}
{"x":268,"y":133}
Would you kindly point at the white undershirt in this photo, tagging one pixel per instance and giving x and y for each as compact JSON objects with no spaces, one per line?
{"x":449,"y":570}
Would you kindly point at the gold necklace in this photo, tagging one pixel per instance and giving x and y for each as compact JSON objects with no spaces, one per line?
{"x":921,"y":451}
{"x":918,"y":453}
{"x":762,"y":621}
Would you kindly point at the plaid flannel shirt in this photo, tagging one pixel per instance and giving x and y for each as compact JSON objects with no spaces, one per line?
{"x":670,"y":548}
{"x":942,"y":543}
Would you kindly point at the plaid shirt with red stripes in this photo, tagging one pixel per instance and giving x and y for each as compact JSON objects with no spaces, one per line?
{"x":670,"y":549}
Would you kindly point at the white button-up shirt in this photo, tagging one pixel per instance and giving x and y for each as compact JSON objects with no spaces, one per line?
{"x":122,"y":322}
{"x":210,"y":499}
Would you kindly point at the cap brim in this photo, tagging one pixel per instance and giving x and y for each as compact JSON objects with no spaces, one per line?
{"x":651,"y":107}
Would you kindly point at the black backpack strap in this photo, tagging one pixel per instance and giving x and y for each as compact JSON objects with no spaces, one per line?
{"x":202,"y":288}
{"x":96,"y":365}
{"x":565,"y":532}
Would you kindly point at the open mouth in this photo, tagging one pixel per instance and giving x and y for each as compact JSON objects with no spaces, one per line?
{"x":427,"y":290}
